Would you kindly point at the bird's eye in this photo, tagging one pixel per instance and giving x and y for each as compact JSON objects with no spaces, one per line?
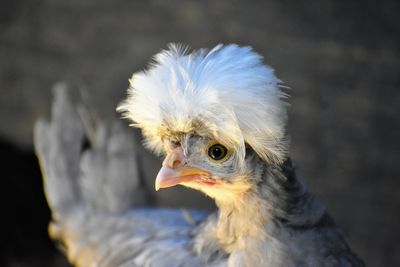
{"x":217,"y":152}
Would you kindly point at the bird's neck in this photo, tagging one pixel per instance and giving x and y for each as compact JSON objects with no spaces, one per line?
{"x":257,"y":217}
{"x":241,"y":221}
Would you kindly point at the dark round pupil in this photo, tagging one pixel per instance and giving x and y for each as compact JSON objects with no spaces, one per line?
{"x":217,"y":152}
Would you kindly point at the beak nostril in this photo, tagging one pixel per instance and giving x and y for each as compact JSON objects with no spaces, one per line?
{"x":174,"y":159}
{"x":176,"y":164}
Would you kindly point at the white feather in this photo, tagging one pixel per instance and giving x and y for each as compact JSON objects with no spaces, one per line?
{"x":228,"y":89}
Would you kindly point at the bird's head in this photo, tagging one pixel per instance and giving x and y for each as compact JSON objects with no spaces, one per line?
{"x":210,"y":112}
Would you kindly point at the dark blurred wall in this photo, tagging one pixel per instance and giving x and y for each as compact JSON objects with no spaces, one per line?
{"x":341,"y":59}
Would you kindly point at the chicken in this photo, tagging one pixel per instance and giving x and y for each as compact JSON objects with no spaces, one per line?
{"x":219,"y":118}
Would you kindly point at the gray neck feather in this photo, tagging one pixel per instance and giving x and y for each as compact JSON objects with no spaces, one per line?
{"x":276,"y":202}
{"x":291,"y":203}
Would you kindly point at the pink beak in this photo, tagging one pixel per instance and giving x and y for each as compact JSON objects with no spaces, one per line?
{"x":174,"y":171}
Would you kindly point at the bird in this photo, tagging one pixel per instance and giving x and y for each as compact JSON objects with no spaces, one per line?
{"x":218,"y":117}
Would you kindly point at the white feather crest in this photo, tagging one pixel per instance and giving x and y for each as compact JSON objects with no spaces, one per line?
{"x":227,"y":90}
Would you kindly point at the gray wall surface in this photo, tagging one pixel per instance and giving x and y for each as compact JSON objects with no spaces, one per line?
{"x":341,"y":59}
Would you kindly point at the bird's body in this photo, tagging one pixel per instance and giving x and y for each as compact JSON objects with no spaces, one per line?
{"x":219,"y":117}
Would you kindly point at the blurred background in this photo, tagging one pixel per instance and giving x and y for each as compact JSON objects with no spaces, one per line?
{"x":341,"y":59}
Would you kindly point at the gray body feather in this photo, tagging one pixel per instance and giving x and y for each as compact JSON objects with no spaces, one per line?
{"x":95,"y":194}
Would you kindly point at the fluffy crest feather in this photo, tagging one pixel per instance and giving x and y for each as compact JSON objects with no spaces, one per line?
{"x":226,"y":92}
